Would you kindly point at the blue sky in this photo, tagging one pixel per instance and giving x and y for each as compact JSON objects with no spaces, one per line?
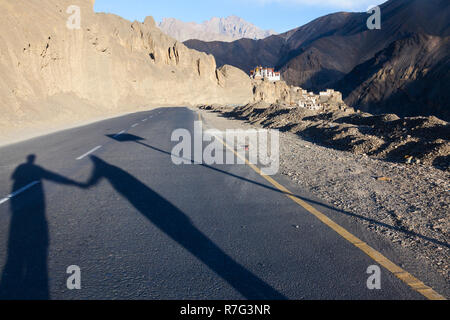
{"x":279,"y":15}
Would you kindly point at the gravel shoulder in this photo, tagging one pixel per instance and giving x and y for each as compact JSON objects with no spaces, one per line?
{"x":410,"y":203}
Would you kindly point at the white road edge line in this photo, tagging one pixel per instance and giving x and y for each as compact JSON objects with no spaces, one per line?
{"x":88,"y":153}
{"x":12,"y":195}
{"x":135,"y":125}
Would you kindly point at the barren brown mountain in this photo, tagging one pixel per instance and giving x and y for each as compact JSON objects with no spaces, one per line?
{"x":323,"y":52}
{"x":410,"y":77}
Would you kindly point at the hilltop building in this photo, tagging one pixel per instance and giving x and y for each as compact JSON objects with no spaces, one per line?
{"x":265,"y":73}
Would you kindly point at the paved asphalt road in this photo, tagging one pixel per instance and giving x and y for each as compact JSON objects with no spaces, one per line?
{"x":140,"y":227}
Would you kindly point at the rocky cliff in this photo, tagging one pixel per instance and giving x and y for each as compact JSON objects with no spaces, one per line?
{"x":409,"y":77}
{"x":55,"y":75}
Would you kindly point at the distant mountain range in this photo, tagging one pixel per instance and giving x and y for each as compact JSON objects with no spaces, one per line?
{"x":402,"y":68}
{"x":217,"y":29}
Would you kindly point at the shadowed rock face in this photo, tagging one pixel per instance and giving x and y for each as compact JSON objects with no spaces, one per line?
{"x":53,"y":74}
{"x":409,"y":78}
{"x":217,"y":29}
{"x":244,"y":54}
{"x":320,"y":54}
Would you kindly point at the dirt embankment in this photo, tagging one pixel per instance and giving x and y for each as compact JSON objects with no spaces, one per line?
{"x":417,"y":140}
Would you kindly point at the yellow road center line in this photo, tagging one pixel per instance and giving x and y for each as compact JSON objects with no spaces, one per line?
{"x":400,"y":273}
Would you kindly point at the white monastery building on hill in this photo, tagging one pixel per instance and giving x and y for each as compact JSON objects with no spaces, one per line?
{"x":265,"y":73}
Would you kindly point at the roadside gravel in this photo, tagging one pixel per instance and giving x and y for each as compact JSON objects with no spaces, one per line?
{"x":412,"y":201}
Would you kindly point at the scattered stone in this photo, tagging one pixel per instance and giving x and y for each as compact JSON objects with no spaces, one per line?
{"x":415,"y":197}
{"x":372,"y":136}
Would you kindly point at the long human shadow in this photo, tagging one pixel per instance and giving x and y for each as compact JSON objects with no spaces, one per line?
{"x":175,"y":224}
{"x":138,"y":140}
{"x":25,"y":275}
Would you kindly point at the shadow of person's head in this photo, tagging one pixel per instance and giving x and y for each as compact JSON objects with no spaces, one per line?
{"x":31,"y":158}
